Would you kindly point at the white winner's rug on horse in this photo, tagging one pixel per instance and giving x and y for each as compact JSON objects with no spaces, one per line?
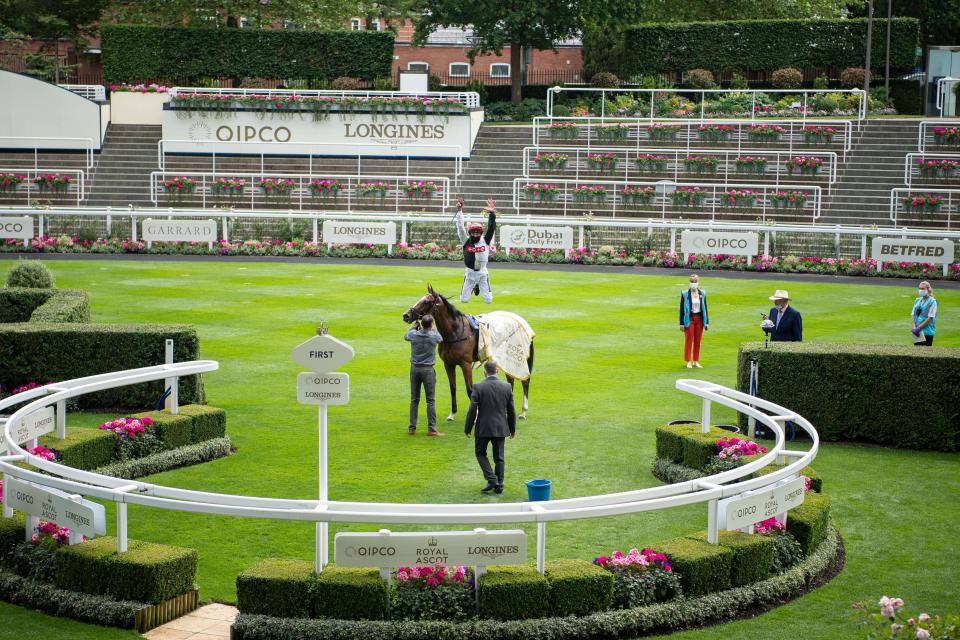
{"x":506,"y":338}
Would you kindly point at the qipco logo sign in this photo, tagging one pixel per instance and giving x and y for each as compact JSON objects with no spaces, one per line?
{"x":18,"y":228}
{"x":250,"y":133}
{"x":736,"y":244}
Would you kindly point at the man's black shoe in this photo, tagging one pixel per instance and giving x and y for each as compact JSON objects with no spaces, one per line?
{"x":498,"y":488}
{"x":490,"y":487}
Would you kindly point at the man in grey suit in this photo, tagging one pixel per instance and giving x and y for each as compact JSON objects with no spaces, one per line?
{"x":492,"y":413}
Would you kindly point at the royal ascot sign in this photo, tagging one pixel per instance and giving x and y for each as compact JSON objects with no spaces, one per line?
{"x":752,"y":507}
{"x":298,"y":133}
{"x":389,"y":550}
{"x":358,"y":232}
{"x":717,"y":242}
{"x":82,"y":517}
{"x":35,"y":424}
{"x":532,"y":237}
{"x":905,"y":250}
{"x":16,"y":228}
{"x":179,"y":230}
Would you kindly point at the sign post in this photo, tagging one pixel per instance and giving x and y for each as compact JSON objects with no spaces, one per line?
{"x":321,"y":386}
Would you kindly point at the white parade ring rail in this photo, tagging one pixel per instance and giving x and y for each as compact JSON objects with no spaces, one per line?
{"x":708,"y":490}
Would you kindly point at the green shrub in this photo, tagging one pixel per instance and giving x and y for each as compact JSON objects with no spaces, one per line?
{"x":134,"y":53}
{"x":739,"y":82}
{"x":208,"y":422}
{"x":146,"y":572}
{"x":670,"y":440}
{"x":12,"y":532}
{"x":514,"y":592}
{"x":41,"y":352}
{"x":852,"y":78}
{"x":604,"y":80}
{"x":787,"y":78}
{"x":809,"y":522}
{"x":280,"y":588}
{"x":685,"y":444}
{"x":907,"y":96}
{"x":700,"y":79}
{"x":671,"y":472}
{"x":786,"y":552}
{"x":761,"y":45}
{"x":351,"y":594}
{"x":83,"y":448}
{"x":174,"y":431}
{"x":703,"y":568}
{"x":578,"y":587}
{"x":65,"y":305}
{"x":752,"y":555}
{"x":166,"y":460}
{"x":877,"y":382}
{"x":30,"y":274}
{"x":17,"y":304}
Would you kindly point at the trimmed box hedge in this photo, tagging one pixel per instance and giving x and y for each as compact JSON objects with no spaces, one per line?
{"x":578,"y":587}
{"x":279,"y":588}
{"x":138,"y":53}
{"x":513,"y":592}
{"x":703,"y":567}
{"x":752,"y":555}
{"x":685,"y":444}
{"x":18,"y":303}
{"x":810,"y":522}
{"x":41,"y":352}
{"x":858,"y":392}
{"x":146,"y":572}
{"x":351,"y":594}
{"x":173,"y":430}
{"x":208,"y":422}
{"x":83,"y":448}
{"x":12,"y":532}
{"x":65,"y":305}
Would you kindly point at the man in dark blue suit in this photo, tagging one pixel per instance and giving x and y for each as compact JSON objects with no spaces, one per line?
{"x":787,"y":323}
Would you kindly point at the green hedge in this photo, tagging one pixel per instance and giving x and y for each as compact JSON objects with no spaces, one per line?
{"x":40,"y":352}
{"x":173,"y":430}
{"x":578,"y":587}
{"x":752,"y":555}
{"x":208,"y":422}
{"x":907,"y":96}
{"x":351,"y":594}
{"x":279,"y":588}
{"x":514,"y":592}
{"x":703,"y":567}
{"x":12,"y":532}
{"x":809,"y":522}
{"x":764,"y":45}
{"x":65,"y":305}
{"x":18,"y":303}
{"x":146,"y":572}
{"x":868,"y":388}
{"x":685,"y":444}
{"x":166,"y":460}
{"x":83,"y":448}
{"x":182,"y":54}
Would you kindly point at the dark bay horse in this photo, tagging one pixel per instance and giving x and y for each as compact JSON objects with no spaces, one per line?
{"x":459,"y":346}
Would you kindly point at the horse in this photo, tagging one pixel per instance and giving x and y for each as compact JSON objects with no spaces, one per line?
{"x":459,"y":346}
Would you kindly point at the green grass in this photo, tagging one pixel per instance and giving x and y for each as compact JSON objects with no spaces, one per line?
{"x":609,"y":351}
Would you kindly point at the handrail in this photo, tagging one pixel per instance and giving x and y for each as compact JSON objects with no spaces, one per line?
{"x":96,"y":92}
{"x":30,"y":187}
{"x":714,"y":189}
{"x":943,"y":89}
{"x":861,"y":108}
{"x":927,"y":125}
{"x":910,"y":165}
{"x":204,"y":189}
{"x":950,"y":205}
{"x":470,"y":99}
{"x":87,"y":149}
{"x":794,"y":129}
{"x":728,"y":158}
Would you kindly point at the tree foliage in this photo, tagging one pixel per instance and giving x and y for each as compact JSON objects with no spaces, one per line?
{"x":50,"y":19}
{"x":306,"y":14}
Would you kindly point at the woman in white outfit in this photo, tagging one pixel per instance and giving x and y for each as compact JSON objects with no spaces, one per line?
{"x":476,"y":252}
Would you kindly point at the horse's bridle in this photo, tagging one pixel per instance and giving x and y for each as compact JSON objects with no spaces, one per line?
{"x":436,"y":301}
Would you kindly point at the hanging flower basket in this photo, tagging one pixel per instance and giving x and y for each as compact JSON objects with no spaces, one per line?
{"x":739,"y":198}
{"x":9,"y":182}
{"x":541,"y":192}
{"x":660,"y":132}
{"x":179,"y":187}
{"x":717,"y":132}
{"x":228,"y":187}
{"x":373,"y":189}
{"x":701,"y":164}
{"x":587,"y":193}
{"x":751,"y":164}
{"x":765,"y":132}
{"x":688,"y":196}
{"x":638,"y":195}
{"x":563,"y":130}
{"x":938,"y":168}
{"x":946,"y":136}
{"x":419,"y":189}
{"x":804,"y":165}
{"x":924,"y":203}
{"x":551,"y":161}
{"x":819,"y":134}
{"x":602,"y":162}
{"x":52,"y":182}
{"x":619,"y":131}
{"x":277,"y":187}
{"x":325,"y":188}
{"x":788,"y":199}
{"x":650,"y":162}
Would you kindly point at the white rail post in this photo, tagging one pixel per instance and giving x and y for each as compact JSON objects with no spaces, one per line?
{"x":172,"y":403}
{"x":705,"y":416}
{"x":121,"y":527}
{"x":322,"y":527}
{"x":7,"y":511}
{"x":61,"y":419}
{"x":541,"y":539}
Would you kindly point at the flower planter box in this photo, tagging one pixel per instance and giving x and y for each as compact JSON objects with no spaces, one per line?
{"x":128,"y":107}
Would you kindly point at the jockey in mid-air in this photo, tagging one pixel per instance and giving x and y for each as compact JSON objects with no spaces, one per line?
{"x":476,"y":252}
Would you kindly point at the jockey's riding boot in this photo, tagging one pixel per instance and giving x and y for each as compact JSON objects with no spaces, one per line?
{"x":476,"y":289}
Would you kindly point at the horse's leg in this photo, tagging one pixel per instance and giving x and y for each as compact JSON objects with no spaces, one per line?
{"x":467,"y":376}
{"x":526,"y":395}
{"x":452,"y":379}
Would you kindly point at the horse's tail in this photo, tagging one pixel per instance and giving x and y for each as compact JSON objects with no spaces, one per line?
{"x":530,"y":358}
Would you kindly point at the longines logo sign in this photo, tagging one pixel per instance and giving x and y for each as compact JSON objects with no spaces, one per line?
{"x":392,"y":131}
{"x":471,"y":548}
{"x":341,"y":232}
{"x":530,"y":237}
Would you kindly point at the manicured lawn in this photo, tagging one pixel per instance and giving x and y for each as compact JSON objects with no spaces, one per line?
{"x":608,"y":355}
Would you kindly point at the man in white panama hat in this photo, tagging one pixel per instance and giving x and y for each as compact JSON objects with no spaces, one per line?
{"x":787,"y":323}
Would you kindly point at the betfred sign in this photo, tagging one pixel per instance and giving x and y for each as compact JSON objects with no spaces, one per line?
{"x":531,"y":237}
{"x":82,"y":517}
{"x":35,"y":424}
{"x":751,"y":507}
{"x":717,"y":242}
{"x":16,"y":228}
{"x":179,"y":230}
{"x":323,"y":388}
{"x":336,"y":232}
{"x":390,"y":550}
{"x":906,"y":250}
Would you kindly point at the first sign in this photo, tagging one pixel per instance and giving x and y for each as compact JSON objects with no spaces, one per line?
{"x":322,"y":354}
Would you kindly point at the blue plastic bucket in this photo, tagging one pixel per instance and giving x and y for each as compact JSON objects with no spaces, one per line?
{"x":538,"y":490}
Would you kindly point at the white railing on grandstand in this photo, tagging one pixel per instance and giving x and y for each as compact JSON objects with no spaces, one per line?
{"x":33,"y":191}
{"x":637,"y":136}
{"x":927,"y":137}
{"x":310,"y":150}
{"x":943,"y":214}
{"x":944,"y":87}
{"x":34,"y":144}
{"x":911,"y":168}
{"x":470,"y":99}
{"x":95,"y":92}
{"x":301,"y":193}
{"x":775,"y":167}
{"x":801,"y":106}
{"x":707,"y":490}
{"x":613,"y":202}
